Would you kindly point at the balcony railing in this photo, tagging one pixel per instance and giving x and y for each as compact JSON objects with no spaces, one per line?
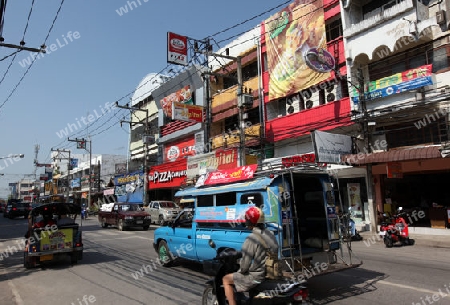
{"x":380,"y":15}
{"x":231,"y":139}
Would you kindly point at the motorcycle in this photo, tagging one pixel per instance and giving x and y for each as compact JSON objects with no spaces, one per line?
{"x":282,"y":291}
{"x":394,"y":230}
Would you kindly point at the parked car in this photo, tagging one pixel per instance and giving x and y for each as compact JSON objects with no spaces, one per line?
{"x":17,"y":209}
{"x":162,"y":211}
{"x":2,"y":207}
{"x":123,"y":215}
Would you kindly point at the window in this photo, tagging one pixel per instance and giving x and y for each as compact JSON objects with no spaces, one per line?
{"x":441,"y":58}
{"x":226,"y":199}
{"x":205,"y":201}
{"x":231,"y":124}
{"x":333,"y":29}
{"x":408,"y":134}
{"x":413,"y":58}
{"x":252,"y":198}
{"x":253,"y":116}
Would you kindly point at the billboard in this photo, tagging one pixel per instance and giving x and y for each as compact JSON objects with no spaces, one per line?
{"x":220,"y":159}
{"x":329,"y":147}
{"x":184,"y":95}
{"x":129,"y":187}
{"x":185,"y":112}
{"x":177,"y":49}
{"x":179,"y":150}
{"x":397,"y":83}
{"x":290,"y":34}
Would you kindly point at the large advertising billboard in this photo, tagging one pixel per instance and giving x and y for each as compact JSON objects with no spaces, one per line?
{"x":290,"y":34}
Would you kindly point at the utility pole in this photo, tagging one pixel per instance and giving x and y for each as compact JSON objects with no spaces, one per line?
{"x":13,"y":46}
{"x":240,"y":100}
{"x":144,"y":143}
{"x":58,"y":156}
{"x":368,"y":150}
{"x":81,"y":144}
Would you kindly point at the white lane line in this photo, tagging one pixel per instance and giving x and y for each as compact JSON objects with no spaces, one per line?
{"x":443,"y":295}
{"x":15,"y":293}
{"x":128,"y":237}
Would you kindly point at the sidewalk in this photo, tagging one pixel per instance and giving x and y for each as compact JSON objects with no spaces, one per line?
{"x":429,"y":237}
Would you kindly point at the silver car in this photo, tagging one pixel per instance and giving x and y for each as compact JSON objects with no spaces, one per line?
{"x":162,"y":210}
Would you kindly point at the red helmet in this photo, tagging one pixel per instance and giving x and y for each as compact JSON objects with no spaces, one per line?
{"x":254,"y":216}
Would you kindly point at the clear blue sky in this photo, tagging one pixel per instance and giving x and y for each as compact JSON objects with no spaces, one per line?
{"x":106,"y":57}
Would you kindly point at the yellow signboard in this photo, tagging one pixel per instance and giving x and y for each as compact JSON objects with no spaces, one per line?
{"x":61,"y":239}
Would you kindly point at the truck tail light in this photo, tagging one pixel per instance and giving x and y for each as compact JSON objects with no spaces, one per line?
{"x":301,"y":295}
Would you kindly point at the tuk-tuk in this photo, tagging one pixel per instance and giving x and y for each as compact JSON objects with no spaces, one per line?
{"x":52,"y":233}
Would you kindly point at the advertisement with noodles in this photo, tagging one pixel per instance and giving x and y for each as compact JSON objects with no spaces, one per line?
{"x":290,"y":34}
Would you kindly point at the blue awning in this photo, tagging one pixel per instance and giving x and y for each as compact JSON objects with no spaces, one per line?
{"x":255,"y":184}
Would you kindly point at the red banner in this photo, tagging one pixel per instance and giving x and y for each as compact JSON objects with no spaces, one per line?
{"x":170,"y":174}
{"x":230,"y":175}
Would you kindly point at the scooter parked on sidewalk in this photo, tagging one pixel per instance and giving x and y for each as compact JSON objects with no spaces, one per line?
{"x":283,"y":291}
{"x":394,"y":230}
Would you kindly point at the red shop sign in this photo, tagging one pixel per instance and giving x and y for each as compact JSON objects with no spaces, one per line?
{"x":231,"y":175}
{"x":171,"y":174}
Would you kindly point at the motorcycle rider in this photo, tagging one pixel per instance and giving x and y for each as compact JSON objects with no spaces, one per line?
{"x":252,"y":266}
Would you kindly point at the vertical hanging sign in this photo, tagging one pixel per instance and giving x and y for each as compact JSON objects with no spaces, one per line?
{"x":177,"y":49}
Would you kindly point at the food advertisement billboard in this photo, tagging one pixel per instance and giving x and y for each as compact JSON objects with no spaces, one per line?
{"x":289,"y":35}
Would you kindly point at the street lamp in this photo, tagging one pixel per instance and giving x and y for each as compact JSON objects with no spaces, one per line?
{"x":13,"y":156}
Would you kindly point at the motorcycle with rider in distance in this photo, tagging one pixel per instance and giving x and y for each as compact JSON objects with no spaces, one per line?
{"x":394,"y":230}
{"x":281,"y":291}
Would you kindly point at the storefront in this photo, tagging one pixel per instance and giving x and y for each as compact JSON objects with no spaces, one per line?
{"x":414,"y":179}
{"x":166,"y":179}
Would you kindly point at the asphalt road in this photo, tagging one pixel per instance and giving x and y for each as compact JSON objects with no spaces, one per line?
{"x":120,"y":268}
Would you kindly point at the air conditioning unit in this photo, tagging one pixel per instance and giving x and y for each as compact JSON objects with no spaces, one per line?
{"x":292,"y":104}
{"x":332,"y":93}
{"x":312,"y":99}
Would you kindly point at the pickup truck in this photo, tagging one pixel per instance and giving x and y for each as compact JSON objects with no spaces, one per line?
{"x":162,"y":211}
{"x":124,"y":215}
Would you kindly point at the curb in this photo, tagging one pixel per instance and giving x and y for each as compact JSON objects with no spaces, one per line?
{"x":427,"y":240}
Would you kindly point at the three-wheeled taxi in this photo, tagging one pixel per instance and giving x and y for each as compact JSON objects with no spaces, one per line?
{"x":52,"y":233}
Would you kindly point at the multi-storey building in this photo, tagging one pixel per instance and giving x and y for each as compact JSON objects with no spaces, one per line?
{"x":399,"y":50}
{"x":85,"y":174}
{"x":178,"y":138}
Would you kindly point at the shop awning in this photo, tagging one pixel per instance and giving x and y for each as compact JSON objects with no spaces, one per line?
{"x":406,"y":154}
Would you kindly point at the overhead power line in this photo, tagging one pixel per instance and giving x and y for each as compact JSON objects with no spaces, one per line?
{"x":29,"y":67}
{"x":118,"y":118}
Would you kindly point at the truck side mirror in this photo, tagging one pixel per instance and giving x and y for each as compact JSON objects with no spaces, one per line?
{"x":212,"y":244}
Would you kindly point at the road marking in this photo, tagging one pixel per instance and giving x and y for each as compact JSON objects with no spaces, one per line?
{"x":128,"y":237}
{"x":412,"y":288}
{"x":15,"y":292}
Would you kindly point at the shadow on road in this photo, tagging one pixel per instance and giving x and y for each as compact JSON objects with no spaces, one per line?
{"x":342,"y":285}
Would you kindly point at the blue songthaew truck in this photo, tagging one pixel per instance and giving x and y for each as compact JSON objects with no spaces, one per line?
{"x":299,"y":204}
